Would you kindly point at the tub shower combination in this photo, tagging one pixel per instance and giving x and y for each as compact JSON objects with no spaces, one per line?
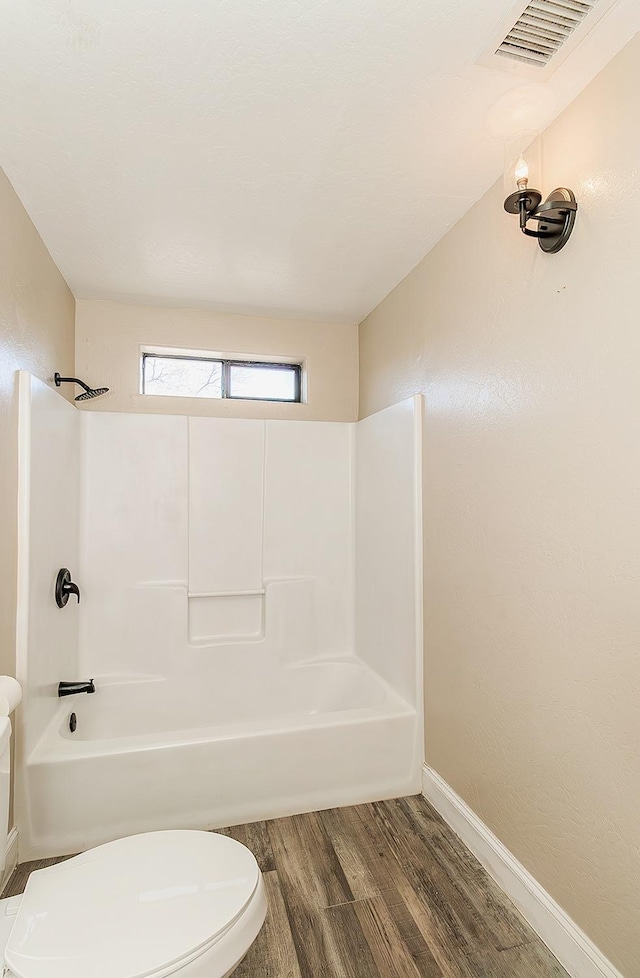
{"x":247,"y":614}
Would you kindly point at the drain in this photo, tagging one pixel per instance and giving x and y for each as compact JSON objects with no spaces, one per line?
{"x":73,"y":723}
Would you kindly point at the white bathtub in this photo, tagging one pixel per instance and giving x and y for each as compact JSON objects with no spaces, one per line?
{"x":148,"y":755}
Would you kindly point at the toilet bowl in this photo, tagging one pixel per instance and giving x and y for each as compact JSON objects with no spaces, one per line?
{"x":183,"y":903}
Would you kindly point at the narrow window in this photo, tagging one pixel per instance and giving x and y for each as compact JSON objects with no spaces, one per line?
{"x":187,"y":376}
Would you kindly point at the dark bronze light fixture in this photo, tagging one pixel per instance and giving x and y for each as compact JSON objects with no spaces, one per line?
{"x":556,"y":215}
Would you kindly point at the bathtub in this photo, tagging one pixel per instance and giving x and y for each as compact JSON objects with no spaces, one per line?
{"x":149,"y":754}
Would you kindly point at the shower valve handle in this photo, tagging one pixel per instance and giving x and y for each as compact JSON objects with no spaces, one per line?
{"x":65,"y":588}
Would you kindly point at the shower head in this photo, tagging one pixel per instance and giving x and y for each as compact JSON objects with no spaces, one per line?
{"x":92,"y":393}
{"x":89,"y":392}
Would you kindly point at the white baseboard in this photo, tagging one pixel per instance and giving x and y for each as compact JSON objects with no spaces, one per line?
{"x":11,"y":859}
{"x":570,"y":945}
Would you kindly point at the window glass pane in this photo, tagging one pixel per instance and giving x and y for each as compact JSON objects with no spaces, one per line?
{"x":277,"y":383}
{"x":182,"y":377}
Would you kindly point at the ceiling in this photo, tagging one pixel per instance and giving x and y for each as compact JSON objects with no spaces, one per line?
{"x":283,"y":157}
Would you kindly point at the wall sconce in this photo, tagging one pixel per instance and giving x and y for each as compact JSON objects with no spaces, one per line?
{"x":556,"y":215}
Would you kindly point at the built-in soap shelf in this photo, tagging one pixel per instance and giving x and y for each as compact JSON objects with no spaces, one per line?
{"x":282,"y":614}
{"x":225,"y":594}
{"x":226,"y":616}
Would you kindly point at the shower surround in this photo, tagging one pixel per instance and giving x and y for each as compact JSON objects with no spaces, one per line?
{"x":250,"y":595}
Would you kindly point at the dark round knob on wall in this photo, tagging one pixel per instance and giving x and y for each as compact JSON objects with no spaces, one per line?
{"x":65,"y":587}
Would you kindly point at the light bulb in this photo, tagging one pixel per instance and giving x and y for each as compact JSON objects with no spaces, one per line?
{"x":522,"y":174}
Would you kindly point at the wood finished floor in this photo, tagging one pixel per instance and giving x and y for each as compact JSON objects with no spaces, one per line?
{"x":384,"y":890}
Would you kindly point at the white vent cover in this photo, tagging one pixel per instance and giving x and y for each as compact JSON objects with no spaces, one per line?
{"x":539,"y":38}
{"x":542,"y":29}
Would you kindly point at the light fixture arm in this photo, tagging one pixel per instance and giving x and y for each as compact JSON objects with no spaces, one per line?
{"x":526,"y":216}
{"x":556,"y":216}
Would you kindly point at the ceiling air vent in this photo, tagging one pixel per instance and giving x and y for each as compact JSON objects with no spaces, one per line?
{"x":535,"y":42}
{"x":542,"y":29}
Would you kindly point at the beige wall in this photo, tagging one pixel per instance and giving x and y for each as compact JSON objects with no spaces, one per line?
{"x":110,"y":335}
{"x":36,"y":334}
{"x":530,"y":365}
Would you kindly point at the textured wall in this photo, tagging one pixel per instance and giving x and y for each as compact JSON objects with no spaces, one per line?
{"x":109,"y":337}
{"x":36,"y":334}
{"x":530,"y":366}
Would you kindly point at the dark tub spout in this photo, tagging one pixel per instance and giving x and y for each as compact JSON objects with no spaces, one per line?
{"x":67,"y":689}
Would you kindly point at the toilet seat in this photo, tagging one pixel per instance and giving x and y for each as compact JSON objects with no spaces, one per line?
{"x":140,"y":907}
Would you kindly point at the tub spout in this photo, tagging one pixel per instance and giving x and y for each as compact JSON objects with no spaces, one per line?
{"x":67,"y":689}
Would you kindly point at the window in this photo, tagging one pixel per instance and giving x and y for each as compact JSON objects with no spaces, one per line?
{"x":191,"y":376}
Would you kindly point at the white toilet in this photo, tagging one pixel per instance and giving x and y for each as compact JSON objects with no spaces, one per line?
{"x":183,"y":903}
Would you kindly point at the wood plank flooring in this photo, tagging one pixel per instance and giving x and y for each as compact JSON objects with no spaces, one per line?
{"x":384,"y":890}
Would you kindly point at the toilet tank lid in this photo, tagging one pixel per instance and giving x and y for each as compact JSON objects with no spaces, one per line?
{"x":131,"y":908}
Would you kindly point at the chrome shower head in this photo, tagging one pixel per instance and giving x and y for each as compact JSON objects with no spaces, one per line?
{"x":89,"y":392}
